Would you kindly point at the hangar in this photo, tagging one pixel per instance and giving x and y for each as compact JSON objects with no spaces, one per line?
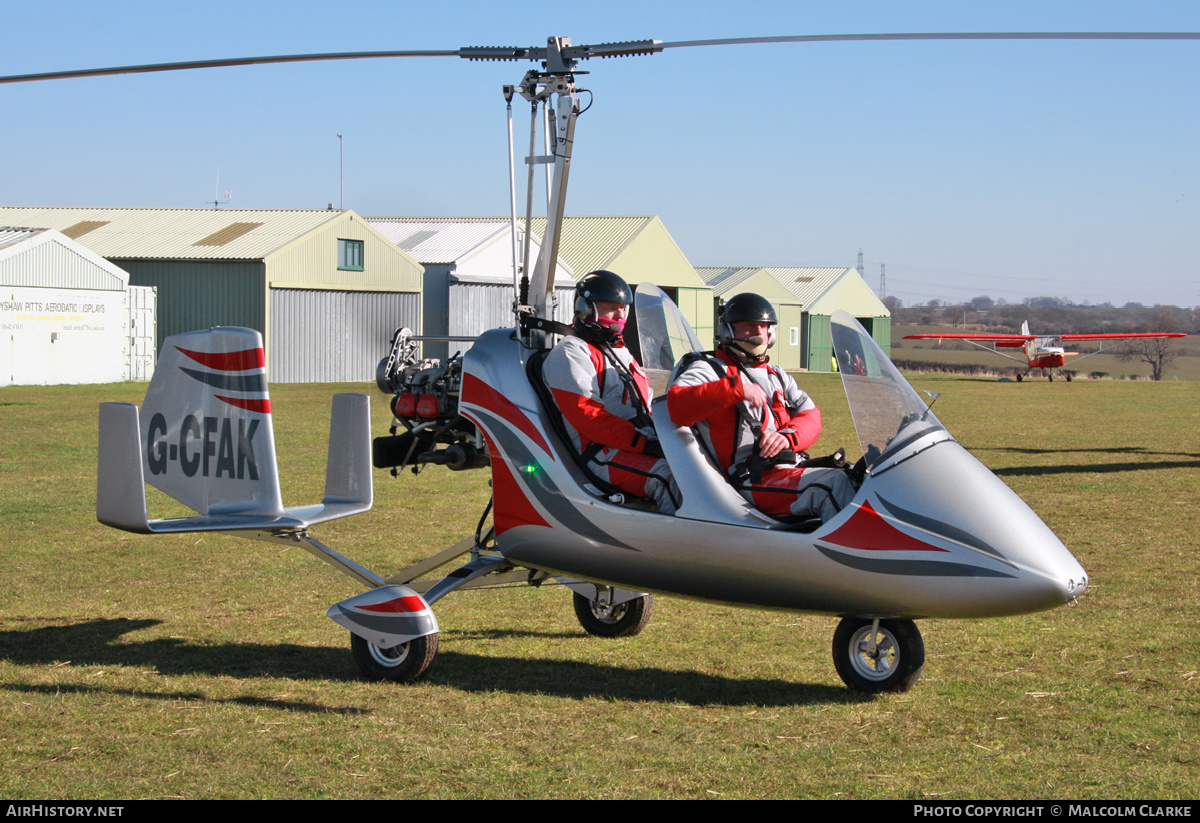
{"x":641,"y":250}
{"x":468,"y":285}
{"x":805,"y":298}
{"x":325,"y":289}
{"x":637,"y":247}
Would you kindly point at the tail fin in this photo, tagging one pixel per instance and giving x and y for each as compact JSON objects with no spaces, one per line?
{"x":204,"y":437}
{"x":206,"y":423}
{"x":1030,"y":346}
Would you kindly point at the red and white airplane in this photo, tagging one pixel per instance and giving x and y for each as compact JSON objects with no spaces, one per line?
{"x":1044,"y":351}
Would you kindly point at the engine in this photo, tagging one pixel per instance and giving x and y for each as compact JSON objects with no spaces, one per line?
{"x":425,"y":395}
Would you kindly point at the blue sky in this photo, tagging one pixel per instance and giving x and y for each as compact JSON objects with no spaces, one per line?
{"x":968,"y":168}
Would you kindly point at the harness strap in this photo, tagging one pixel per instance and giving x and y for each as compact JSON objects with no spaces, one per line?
{"x":533,"y":370}
{"x":747,"y":475}
{"x":643,"y":417}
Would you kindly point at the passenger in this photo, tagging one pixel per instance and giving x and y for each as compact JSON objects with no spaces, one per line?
{"x":727,"y":398}
{"x":605,"y":397}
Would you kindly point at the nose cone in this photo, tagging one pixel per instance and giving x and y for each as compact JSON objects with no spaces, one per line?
{"x":993,"y":554}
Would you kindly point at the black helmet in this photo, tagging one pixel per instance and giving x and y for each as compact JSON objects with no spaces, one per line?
{"x":746,"y":307}
{"x":600,"y":286}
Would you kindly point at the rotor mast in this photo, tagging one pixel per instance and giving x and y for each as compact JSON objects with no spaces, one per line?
{"x":555,"y":90}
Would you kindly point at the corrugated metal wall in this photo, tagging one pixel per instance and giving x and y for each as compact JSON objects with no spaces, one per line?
{"x":564,"y":312}
{"x":477,"y":307}
{"x":435,"y":311}
{"x":320,"y":336}
{"x":474,"y":308}
{"x":199,"y":294}
{"x":142,"y":303}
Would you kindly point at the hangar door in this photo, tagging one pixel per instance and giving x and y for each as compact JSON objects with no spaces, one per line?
{"x":322,"y":336}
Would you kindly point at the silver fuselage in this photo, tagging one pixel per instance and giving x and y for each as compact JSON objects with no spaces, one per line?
{"x":931,"y":533}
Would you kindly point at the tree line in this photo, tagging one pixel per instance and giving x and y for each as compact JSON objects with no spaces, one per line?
{"x":1046,"y":315}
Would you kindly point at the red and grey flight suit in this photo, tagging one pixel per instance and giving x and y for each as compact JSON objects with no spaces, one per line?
{"x":599,"y":407}
{"x":715,"y":405}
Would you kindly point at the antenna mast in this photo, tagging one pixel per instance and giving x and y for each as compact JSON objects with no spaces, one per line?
{"x":216,"y":201}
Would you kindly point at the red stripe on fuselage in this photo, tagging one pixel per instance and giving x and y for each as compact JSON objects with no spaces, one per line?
{"x":230,"y":360}
{"x":512,"y":506}
{"x":479,"y":393}
{"x":262,"y":406}
{"x":867,"y":530}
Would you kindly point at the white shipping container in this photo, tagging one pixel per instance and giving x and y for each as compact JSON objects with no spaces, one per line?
{"x":55,"y":336}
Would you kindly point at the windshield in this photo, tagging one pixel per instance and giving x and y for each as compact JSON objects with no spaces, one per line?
{"x":888,"y":413}
{"x":664,"y":334}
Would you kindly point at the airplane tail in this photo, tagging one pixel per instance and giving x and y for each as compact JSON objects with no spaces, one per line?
{"x":204,"y":437}
{"x":1030,"y":345}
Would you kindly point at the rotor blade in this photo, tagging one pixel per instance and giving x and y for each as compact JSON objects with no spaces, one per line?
{"x":970,"y":35}
{"x":233,"y":61}
{"x":626,"y":49}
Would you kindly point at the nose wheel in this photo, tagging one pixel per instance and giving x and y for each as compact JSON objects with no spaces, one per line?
{"x":401,"y":664}
{"x":878,"y":655}
{"x":619,"y":620}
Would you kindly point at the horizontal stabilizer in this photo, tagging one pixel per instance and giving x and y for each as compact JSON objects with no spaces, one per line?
{"x":121,"y":493}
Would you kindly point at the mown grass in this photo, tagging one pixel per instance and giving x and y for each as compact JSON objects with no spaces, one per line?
{"x":202,"y":666}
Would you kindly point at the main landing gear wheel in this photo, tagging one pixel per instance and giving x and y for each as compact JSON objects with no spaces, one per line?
{"x":401,"y":664}
{"x":893,"y":666}
{"x":622,"y":620}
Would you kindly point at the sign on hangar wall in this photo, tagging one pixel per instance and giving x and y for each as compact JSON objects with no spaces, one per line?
{"x":52,"y":336}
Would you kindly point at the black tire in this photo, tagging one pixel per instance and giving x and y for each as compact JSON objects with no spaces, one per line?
{"x":622,"y":620}
{"x":1020,"y":377}
{"x":401,"y":664}
{"x":898,"y":660}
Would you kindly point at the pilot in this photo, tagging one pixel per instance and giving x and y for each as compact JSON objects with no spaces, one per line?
{"x":754,"y":420}
{"x":605,"y":397}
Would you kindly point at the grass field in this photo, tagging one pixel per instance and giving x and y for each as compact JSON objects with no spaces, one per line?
{"x":203,"y":666}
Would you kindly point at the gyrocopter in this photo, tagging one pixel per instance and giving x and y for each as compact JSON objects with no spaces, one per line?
{"x":930,"y":533}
